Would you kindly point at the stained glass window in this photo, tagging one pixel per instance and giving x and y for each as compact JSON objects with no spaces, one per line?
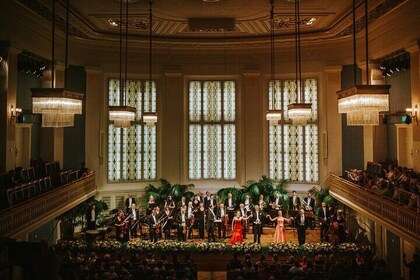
{"x":293,"y":150}
{"x":212,"y":130}
{"x":132,"y":151}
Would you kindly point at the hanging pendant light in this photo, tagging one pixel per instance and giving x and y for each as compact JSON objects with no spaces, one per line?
{"x":299,"y":112}
{"x":273,"y":116}
{"x":362,"y":103}
{"x":150,"y":117}
{"x":57,"y":105}
{"x":123,"y":115}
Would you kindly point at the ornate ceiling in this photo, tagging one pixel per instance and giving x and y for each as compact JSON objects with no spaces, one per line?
{"x":179,"y":22}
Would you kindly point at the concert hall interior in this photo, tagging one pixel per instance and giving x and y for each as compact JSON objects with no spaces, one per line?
{"x":209,"y":139}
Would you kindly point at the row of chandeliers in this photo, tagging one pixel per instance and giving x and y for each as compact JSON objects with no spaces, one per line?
{"x":59,"y":105}
{"x":361,"y":103}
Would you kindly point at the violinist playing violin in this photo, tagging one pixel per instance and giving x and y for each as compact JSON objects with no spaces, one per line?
{"x":183,"y":224}
{"x":223,"y":216}
{"x":154,"y":226}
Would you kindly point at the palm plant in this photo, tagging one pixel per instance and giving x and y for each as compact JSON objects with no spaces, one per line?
{"x":165,"y":189}
{"x":222,"y":194}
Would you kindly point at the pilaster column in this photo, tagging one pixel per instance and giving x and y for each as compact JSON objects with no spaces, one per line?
{"x":96,"y":124}
{"x":414,"y":51}
{"x":52,"y":139}
{"x":255,"y":148}
{"x":374,"y":137}
{"x":330,"y":147}
{"x":172,"y":166}
{"x":380,"y":244}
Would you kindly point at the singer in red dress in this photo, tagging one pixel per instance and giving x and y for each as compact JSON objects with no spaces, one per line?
{"x":237,"y":229}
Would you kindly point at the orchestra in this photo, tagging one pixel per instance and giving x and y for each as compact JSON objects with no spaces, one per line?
{"x":206,"y":216}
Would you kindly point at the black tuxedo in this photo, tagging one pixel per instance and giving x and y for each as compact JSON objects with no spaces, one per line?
{"x":227,"y":203}
{"x":152,"y":229}
{"x":210,"y":225}
{"x":91,"y":219}
{"x":301,"y":227}
{"x":127,"y":202}
{"x":180,"y":226}
{"x":179,"y":205}
{"x":311,"y":203}
{"x":206,"y":200}
{"x":324,"y":221}
{"x":297,"y":202}
{"x":134,"y":221}
{"x":257,"y":225}
{"x":207,"y":205}
{"x":279,"y":202}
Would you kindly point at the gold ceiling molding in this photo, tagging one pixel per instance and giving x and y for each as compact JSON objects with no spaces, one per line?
{"x":176,"y":33}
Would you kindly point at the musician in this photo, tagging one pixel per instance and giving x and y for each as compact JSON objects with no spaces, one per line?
{"x":191,"y":218}
{"x":324,"y":220}
{"x":200,"y":217}
{"x":121,"y":227}
{"x":211,"y":217}
{"x":182,"y":203}
{"x":341,"y":230}
{"x":257,"y":223}
{"x":159,"y":215}
{"x":206,"y":199}
{"x":166,"y":219}
{"x":244,"y":215}
{"x":129,"y":201}
{"x":91,"y":218}
{"x":196,"y":201}
{"x":134,"y":220}
{"x":277,"y":202}
{"x":183,"y":224}
{"x":150,"y":205}
{"x":261,"y":203}
{"x":309,"y":203}
{"x":230,"y":202}
{"x":248,"y":203}
{"x":294,"y":201}
{"x":301,"y":223}
{"x":223,"y":216}
{"x":211,"y":201}
{"x":170,"y":203}
{"x":153,"y":223}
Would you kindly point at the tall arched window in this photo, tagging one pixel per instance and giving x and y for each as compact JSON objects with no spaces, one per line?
{"x":212,"y":130}
{"x":293,"y":150}
{"x":132,"y":151}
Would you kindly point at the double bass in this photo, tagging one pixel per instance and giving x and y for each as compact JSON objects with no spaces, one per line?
{"x":332,"y":233}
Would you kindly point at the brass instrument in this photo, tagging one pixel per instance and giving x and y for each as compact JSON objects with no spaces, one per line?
{"x":307,"y":207}
{"x":262,"y":204}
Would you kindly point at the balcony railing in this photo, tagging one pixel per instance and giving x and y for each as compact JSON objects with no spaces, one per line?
{"x":400,"y":217}
{"x":45,"y":207}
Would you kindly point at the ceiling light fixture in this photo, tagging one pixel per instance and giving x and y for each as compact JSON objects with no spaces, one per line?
{"x":57,"y":105}
{"x":362,"y":103}
{"x":150,"y":117}
{"x":122,"y":115}
{"x":273,"y":115}
{"x":299,"y":112}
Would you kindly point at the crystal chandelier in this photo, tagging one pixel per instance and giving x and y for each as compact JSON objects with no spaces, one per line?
{"x":150,"y":118}
{"x":57,"y":105}
{"x":300,"y":113}
{"x":273,"y":116}
{"x":122,"y":115}
{"x":362,"y":103}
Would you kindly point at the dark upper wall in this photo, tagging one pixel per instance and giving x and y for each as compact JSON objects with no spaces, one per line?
{"x":399,"y":99}
{"x":74,"y":137}
{"x":352,"y":136}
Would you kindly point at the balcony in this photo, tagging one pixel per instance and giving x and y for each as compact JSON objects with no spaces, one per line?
{"x":390,"y":214}
{"x":32,"y":214}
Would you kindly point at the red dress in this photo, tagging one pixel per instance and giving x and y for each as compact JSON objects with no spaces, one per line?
{"x":236,"y":232}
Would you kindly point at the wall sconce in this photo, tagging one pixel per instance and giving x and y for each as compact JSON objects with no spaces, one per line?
{"x":14,"y":113}
{"x":412,"y":112}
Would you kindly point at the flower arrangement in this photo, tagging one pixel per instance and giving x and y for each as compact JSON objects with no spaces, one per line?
{"x":283,"y":248}
{"x":215,"y":247}
{"x":246,"y":247}
{"x":317,"y":248}
{"x":78,"y":245}
{"x":352,"y":248}
{"x":106,"y":245}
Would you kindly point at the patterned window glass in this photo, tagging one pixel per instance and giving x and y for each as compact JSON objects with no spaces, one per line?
{"x":293,"y":150}
{"x":212,"y":130}
{"x":132,"y":151}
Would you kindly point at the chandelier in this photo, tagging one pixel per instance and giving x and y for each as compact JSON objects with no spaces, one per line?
{"x":57,"y":105}
{"x":122,"y":115}
{"x":150,"y":118}
{"x":300,"y":113}
{"x":273,"y":116}
{"x":362,"y":103}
